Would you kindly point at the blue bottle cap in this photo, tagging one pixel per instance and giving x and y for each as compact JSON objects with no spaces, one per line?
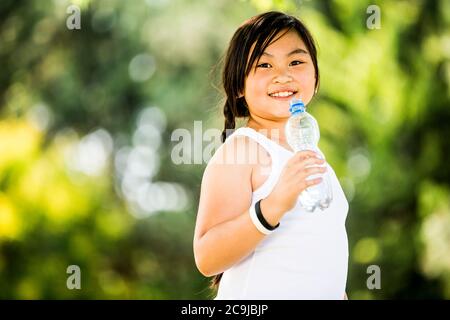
{"x":296,"y":106}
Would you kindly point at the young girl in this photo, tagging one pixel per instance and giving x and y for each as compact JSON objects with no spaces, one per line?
{"x":251,"y":233}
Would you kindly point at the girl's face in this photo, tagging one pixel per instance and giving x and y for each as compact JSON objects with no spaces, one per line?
{"x":285,"y":69}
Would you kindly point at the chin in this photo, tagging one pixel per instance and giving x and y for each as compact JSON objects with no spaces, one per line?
{"x":281,"y":115}
{"x":283,"y":112}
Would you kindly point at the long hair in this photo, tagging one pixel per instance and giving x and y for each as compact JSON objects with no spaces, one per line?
{"x":260,"y":31}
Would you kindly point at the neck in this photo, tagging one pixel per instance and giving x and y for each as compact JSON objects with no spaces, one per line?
{"x":272,"y":129}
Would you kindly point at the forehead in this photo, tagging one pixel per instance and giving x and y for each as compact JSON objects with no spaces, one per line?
{"x":286,"y":41}
{"x":282,"y":43}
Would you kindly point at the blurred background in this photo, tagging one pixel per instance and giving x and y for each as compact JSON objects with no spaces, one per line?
{"x":87,"y":116}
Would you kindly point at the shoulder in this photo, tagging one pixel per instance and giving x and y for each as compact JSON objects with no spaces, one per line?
{"x":230,"y":169}
{"x":237,"y":150}
{"x":244,"y":157}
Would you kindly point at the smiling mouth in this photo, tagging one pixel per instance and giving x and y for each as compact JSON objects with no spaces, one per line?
{"x":282,"y":94}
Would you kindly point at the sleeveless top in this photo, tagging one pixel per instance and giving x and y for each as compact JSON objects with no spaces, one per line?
{"x":306,"y":257}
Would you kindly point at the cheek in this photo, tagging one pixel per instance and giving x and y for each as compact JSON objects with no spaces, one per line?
{"x":307,"y":81}
{"x":307,"y":77}
{"x":255,"y":86}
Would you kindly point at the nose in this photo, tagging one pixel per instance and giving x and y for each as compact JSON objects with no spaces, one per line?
{"x":283,"y":79}
{"x":283,"y":76}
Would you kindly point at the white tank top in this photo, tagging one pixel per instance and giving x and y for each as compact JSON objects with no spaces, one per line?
{"x":306,"y":257}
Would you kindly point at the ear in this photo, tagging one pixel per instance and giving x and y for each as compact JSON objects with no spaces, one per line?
{"x":240,"y":94}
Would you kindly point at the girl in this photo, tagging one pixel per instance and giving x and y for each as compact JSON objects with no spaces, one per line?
{"x":251,"y":233}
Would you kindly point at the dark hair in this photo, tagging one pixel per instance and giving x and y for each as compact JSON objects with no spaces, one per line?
{"x":261,"y":31}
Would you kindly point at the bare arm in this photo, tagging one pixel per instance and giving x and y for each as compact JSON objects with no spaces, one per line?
{"x":224,"y":231}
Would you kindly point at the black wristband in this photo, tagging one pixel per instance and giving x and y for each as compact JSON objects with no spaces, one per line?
{"x":262,"y":219}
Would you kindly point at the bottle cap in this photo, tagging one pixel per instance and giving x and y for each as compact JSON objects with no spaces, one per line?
{"x":296,"y":106}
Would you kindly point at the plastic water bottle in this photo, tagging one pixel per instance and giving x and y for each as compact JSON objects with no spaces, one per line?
{"x":302,"y":133}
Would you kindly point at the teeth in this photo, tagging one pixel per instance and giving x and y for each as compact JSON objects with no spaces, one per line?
{"x":282,"y":94}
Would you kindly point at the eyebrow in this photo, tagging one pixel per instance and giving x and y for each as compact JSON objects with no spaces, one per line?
{"x":298,"y":50}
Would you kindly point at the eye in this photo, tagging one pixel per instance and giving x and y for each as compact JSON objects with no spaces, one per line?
{"x":296,"y":62}
{"x":263,"y":65}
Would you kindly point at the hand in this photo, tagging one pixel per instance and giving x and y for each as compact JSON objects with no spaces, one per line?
{"x":292,"y":182}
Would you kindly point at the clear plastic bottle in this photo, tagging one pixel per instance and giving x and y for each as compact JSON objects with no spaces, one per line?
{"x":302,"y":133}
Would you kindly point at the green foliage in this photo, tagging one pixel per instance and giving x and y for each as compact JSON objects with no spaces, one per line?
{"x":382,"y":108}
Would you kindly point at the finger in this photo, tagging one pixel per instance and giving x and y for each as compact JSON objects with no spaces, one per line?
{"x":304,"y":154}
{"x":312,"y":181}
{"x":311,"y":161}
{"x":312,"y":171}
{"x":299,"y":166}
{"x":307,"y":183}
